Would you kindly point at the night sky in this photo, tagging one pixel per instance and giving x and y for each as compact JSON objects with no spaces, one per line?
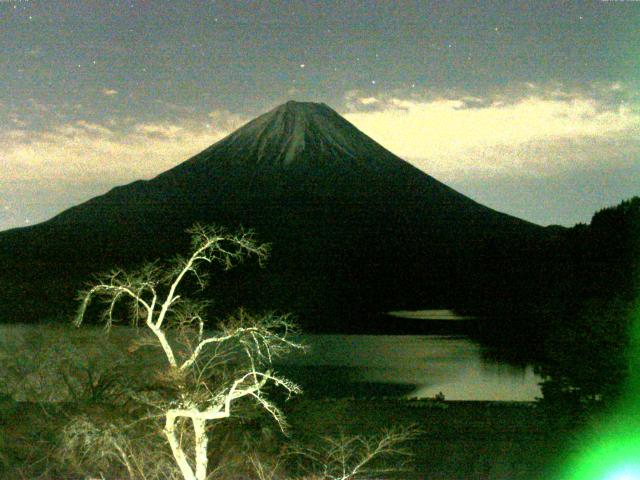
{"x":532,"y":108}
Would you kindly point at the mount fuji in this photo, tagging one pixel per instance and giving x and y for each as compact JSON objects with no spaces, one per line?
{"x":354,"y":228}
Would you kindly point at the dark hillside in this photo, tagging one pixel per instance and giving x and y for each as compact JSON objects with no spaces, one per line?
{"x":355,"y":229}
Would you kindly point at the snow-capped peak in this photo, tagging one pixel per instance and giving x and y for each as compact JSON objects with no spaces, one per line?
{"x":284,"y":133}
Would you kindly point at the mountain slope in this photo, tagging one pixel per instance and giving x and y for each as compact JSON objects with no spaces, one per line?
{"x":354,"y":228}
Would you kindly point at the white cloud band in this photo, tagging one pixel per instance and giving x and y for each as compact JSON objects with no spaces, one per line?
{"x":89,"y":151}
{"x":449,"y":136}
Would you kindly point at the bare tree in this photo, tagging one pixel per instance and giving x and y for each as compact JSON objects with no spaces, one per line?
{"x":206,"y":373}
{"x":351,"y":457}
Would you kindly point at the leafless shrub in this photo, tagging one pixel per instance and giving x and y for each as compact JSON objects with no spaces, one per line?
{"x":105,"y":449}
{"x":56,"y":364}
{"x":350,"y":457}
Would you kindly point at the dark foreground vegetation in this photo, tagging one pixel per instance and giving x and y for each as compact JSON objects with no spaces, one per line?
{"x":457,"y":440}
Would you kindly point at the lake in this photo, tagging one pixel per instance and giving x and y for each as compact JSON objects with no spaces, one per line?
{"x":334,"y":366}
{"x":409,"y":366}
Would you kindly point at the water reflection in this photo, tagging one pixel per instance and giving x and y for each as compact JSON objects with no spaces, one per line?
{"x":407,"y":365}
{"x":335,"y":365}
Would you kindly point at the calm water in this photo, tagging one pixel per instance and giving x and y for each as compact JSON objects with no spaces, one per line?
{"x":412,"y":365}
{"x":334,"y":366}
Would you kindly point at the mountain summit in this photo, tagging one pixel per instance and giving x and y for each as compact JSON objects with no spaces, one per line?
{"x":293,"y":134}
{"x":282,"y":135}
{"x":354,"y":228}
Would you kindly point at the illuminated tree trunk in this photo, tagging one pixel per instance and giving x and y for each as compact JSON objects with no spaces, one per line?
{"x":201,"y":442}
{"x":176,"y":448}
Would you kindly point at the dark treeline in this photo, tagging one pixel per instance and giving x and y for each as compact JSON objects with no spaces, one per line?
{"x":570,"y":303}
{"x":588,"y":343}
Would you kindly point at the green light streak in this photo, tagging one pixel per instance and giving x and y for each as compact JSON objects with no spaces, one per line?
{"x":611,"y":448}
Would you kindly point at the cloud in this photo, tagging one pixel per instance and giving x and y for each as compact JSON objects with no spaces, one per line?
{"x":368,"y":100}
{"x":543,"y":132}
{"x":18,"y":122}
{"x":160,"y":130}
{"x":117,"y":151}
{"x":225,"y":120}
